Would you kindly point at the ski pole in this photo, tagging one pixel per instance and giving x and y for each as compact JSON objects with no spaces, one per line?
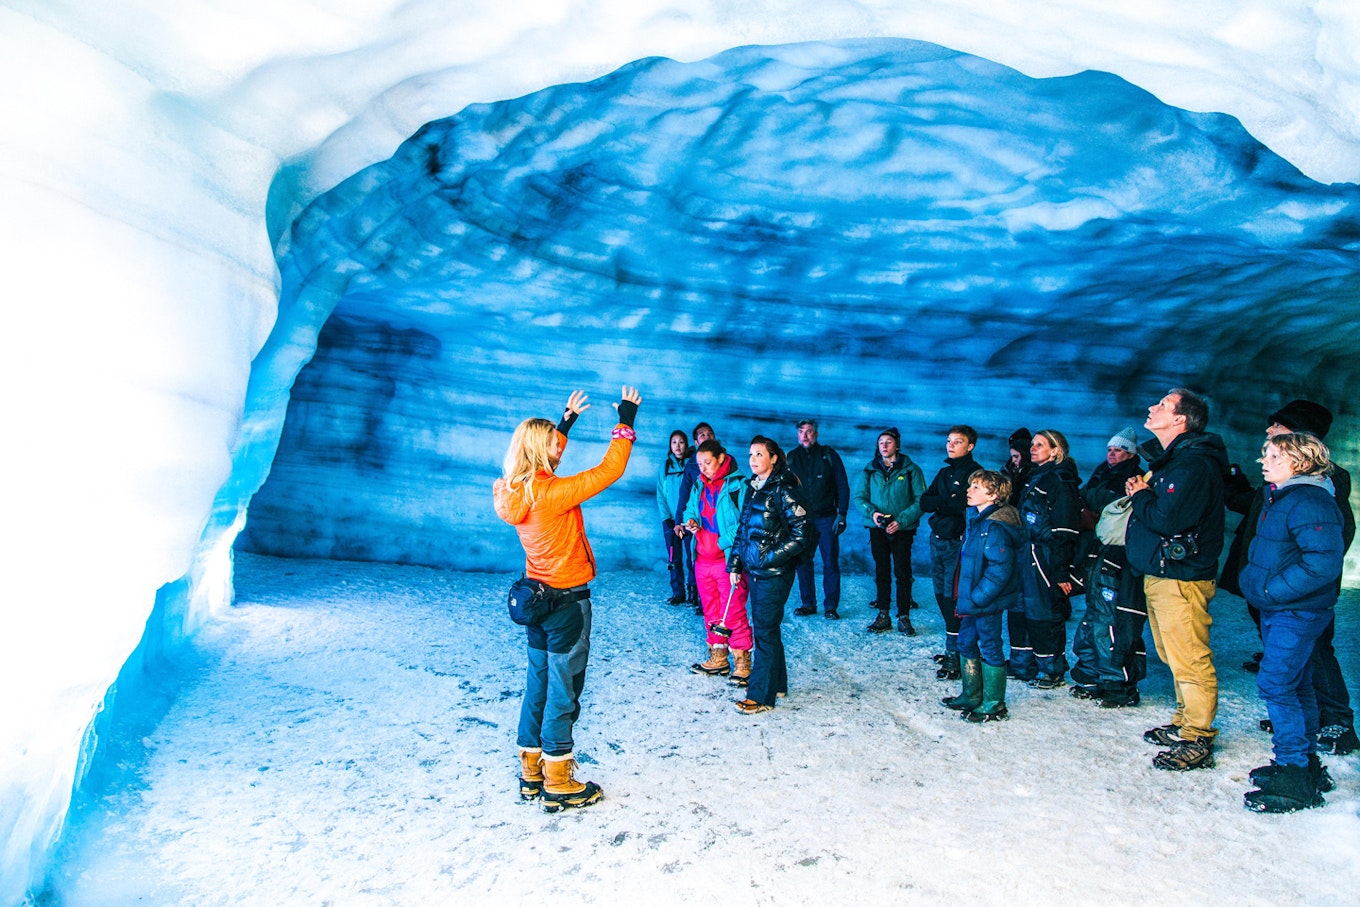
{"x":720,"y":627}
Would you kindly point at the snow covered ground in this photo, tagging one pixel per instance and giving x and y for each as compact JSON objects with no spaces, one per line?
{"x":348,"y":739}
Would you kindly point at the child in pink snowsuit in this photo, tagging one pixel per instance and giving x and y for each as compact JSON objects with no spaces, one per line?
{"x":711,"y":515}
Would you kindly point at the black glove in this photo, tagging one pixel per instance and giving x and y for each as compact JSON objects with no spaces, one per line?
{"x":627,"y":412}
{"x":567,"y":421}
{"x":840,"y":524}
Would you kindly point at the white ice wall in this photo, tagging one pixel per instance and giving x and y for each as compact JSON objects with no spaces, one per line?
{"x":139,"y":144}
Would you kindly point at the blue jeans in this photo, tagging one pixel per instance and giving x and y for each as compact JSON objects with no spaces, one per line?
{"x":558,"y":651}
{"x":829,"y":547}
{"x":1285,"y":681}
{"x":769,"y":672}
{"x":980,"y":637}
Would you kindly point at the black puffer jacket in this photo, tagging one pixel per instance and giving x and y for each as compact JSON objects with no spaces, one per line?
{"x":1049,"y":513}
{"x":1184,"y":501}
{"x":773,"y":529}
{"x":1107,"y":483}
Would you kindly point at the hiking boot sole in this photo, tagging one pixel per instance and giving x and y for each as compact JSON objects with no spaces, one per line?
{"x":1261,"y":802}
{"x":555,"y":803}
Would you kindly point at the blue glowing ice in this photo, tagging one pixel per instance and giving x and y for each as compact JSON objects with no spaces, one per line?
{"x":873,"y":233}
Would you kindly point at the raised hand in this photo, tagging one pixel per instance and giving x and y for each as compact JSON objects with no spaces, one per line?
{"x":576,"y":403}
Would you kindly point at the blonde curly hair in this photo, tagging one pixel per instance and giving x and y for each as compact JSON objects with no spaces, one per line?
{"x":1306,"y":453}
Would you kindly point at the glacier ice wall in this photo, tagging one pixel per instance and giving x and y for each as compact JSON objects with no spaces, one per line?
{"x":871,"y":233}
{"x":153,"y":151}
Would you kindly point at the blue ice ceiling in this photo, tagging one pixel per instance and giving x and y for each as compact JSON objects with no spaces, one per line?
{"x":871,"y":233}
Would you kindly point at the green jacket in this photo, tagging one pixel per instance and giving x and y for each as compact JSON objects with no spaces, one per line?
{"x":897,"y":491}
{"x":668,"y":486}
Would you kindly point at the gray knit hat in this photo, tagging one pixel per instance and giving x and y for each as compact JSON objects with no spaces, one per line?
{"x":1126,"y":440}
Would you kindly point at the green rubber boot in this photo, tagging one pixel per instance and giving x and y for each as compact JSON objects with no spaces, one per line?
{"x":993,"y":706}
{"x":971,"y":697}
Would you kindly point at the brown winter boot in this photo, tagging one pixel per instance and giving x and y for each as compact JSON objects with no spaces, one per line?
{"x":530,"y":773}
{"x":716,"y":664}
{"x":561,"y":790}
{"x":741,"y":667}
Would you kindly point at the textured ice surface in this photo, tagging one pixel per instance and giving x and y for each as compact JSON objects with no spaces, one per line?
{"x":153,"y":151}
{"x":874,"y":233}
{"x":351,"y":742}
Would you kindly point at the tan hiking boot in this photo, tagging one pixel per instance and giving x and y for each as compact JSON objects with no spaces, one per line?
{"x":530,"y":773}
{"x":741,"y":667}
{"x":561,"y":790}
{"x":716,"y":664}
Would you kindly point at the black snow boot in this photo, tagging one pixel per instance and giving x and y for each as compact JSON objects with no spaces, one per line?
{"x":1322,"y":779}
{"x":882,"y":623}
{"x":949,"y":667}
{"x":1288,"y":789}
{"x":1338,"y":740}
{"x":1122,"y":697}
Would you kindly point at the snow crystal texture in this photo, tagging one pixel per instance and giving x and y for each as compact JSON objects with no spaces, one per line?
{"x":350,"y":740}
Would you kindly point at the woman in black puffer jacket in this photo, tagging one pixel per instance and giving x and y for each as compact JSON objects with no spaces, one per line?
{"x":1050,"y":512}
{"x":773,"y":530}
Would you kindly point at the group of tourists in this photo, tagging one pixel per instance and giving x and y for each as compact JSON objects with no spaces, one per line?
{"x":1012,"y":546}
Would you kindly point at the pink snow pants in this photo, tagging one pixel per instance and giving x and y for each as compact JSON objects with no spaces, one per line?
{"x":714,"y":585}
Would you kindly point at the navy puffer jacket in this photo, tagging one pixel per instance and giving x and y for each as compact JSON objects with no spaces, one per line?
{"x":1050,"y":514}
{"x":1296,"y":554}
{"x":989,"y":562}
{"x":773,"y":529}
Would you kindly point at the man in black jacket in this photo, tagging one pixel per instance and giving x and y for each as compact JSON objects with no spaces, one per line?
{"x":946,"y":500}
{"x":1175,"y":535}
{"x":824,"y":486}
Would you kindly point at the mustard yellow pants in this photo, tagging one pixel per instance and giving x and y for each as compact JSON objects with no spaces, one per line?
{"x":1178,"y":614}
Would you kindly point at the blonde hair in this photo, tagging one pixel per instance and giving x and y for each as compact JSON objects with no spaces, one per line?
{"x":1306,"y":453}
{"x":528,"y":455}
{"x":994,"y":483}
{"x":1057,"y":441}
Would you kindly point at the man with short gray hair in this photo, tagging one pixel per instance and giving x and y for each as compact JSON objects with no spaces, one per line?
{"x":827,"y":491}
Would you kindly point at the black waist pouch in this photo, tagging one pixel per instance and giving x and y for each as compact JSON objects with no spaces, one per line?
{"x":531,"y":601}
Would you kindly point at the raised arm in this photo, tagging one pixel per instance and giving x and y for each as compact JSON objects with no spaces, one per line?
{"x":566,"y":492}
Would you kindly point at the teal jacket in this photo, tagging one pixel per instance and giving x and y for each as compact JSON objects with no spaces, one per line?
{"x":668,"y":486}
{"x":897,"y":491}
{"x":730,"y":498}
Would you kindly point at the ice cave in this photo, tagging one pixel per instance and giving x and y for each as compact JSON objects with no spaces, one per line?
{"x":289,"y":274}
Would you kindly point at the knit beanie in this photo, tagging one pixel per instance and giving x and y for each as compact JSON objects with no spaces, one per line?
{"x":1303,"y":415}
{"x":1020,"y":440}
{"x":1126,"y":440}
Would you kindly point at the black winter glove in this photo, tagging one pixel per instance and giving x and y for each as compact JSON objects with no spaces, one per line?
{"x":627,"y":412}
{"x":840,"y":524}
{"x":567,"y":421}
